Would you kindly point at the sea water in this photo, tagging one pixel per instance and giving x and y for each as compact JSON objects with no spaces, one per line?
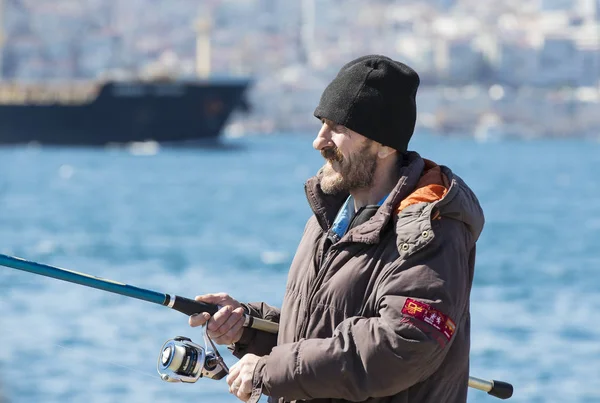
{"x":195,"y":220}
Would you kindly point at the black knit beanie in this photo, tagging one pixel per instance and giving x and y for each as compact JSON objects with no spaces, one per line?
{"x":374,"y":96}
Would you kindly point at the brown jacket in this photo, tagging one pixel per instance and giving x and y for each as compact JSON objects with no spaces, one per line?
{"x":383,"y":315}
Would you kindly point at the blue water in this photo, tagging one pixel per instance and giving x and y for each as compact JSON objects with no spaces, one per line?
{"x":190,"y":221}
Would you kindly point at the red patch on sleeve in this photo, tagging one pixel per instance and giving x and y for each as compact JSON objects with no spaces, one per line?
{"x":431,"y":316}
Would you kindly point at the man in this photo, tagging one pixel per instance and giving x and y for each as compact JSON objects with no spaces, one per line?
{"x":377,"y":300}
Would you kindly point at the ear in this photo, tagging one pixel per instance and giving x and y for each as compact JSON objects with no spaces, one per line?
{"x":385,"y":151}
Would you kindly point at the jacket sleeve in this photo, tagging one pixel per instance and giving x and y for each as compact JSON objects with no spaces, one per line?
{"x":255,"y":341}
{"x":386,"y":354}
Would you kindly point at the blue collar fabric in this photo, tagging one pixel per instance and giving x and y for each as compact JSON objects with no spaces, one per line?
{"x":345,"y":215}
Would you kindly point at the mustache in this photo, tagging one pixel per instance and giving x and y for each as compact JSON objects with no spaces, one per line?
{"x":332,"y":154}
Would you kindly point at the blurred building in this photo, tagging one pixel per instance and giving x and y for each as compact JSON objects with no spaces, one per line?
{"x":553,"y":5}
{"x":560,"y":62}
{"x":458,"y":61}
{"x":518,"y":62}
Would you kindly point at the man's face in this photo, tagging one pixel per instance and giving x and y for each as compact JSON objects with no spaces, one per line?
{"x":351,"y":159}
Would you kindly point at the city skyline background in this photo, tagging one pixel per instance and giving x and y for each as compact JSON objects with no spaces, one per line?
{"x":486,"y":67}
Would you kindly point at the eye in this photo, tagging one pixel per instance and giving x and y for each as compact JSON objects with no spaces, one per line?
{"x":341,"y":129}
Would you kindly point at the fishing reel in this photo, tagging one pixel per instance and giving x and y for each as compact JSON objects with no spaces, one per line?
{"x":181,"y":360}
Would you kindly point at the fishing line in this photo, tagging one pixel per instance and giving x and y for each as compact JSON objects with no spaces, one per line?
{"x":106,"y":361}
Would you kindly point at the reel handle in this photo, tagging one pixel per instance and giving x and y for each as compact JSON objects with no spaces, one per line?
{"x":190,"y":307}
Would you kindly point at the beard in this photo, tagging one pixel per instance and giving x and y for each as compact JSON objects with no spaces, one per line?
{"x":357,"y":171}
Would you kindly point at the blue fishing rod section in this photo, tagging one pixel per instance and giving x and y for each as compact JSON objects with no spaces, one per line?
{"x":181,"y":304}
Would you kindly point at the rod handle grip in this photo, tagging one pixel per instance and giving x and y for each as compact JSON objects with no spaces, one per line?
{"x":190,"y":306}
{"x":261,"y":324}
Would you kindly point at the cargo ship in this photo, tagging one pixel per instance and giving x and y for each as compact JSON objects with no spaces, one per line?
{"x":163,"y":107}
{"x":117,"y":112}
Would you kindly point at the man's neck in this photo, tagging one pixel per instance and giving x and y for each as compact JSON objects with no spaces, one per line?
{"x":380,"y":188}
{"x":365,"y":197}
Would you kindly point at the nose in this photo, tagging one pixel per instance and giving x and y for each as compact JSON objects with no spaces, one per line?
{"x":323,"y":138}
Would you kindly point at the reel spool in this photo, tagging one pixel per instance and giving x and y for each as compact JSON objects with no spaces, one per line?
{"x":181,"y":360}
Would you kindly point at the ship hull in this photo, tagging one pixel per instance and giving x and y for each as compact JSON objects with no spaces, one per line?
{"x":125,"y":112}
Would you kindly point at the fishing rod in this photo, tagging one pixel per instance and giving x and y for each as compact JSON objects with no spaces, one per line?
{"x":181,"y":304}
{"x":180,"y":359}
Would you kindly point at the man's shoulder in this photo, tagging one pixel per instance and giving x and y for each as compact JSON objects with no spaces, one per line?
{"x":461,"y":203}
{"x":439,"y":195}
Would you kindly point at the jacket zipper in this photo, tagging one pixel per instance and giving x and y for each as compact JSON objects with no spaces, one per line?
{"x":322,"y":270}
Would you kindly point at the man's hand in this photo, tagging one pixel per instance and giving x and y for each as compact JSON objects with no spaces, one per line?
{"x":226,"y":326}
{"x":240,"y":377}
